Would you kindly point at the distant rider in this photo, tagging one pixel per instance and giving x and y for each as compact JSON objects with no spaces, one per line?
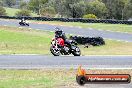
{"x":23,"y":20}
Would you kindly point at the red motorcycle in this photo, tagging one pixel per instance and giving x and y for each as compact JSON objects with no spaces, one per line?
{"x":58,"y":46}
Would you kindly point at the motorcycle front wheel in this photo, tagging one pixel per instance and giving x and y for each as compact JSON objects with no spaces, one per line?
{"x":55,"y":51}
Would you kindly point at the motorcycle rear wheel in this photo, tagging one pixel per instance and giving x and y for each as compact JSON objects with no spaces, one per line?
{"x":77,"y":51}
{"x":27,"y":24}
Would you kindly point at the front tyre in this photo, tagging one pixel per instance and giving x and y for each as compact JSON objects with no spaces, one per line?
{"x":55,"y":51}
{"x":76,"y":51}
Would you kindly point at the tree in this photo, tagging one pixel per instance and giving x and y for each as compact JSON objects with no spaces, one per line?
{"x":23,"y":5}
{"x":98,"y":8}
{"x":48,"y":12}
{"x":71,"y":8}
{"x":36,"y":5}
{"x":128,"y":10}
{"x":2,"y":11}
{"x":23,"y":13}
{"x":79,"y":9}
{"x":115,"y":8}
{"x":1,"y":2}
{"x":59,"y":7}
{"x":9,"y":3}
{"x":69,"y":5}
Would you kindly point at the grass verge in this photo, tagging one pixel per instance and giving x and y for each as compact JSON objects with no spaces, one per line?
{"x":12,"y":11}
{"x":34,"y":78}
{"x":98,"y":26}
{"x":112,"y":47}
{"x":58,"y":78}
{"x":15,"y":40}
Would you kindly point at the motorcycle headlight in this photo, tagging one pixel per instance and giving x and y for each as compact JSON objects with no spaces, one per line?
{"x":53,"y":42}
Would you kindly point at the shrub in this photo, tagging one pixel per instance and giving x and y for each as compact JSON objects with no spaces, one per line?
{"x":90,"y":16}
{"x":2,"y":11}
{"x":48,"y":12}
{"x":23,"y":13}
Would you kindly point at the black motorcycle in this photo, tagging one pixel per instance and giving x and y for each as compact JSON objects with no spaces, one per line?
{"x":23,"y":23}
{"x":59,"y":47}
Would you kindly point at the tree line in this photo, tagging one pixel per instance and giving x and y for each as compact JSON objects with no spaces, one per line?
{"x":96,"y":9}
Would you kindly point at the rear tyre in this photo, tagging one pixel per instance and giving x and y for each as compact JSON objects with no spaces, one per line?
{"x":21,"y":24}
{"x":54,"y":51}
{"x":27,"y":24}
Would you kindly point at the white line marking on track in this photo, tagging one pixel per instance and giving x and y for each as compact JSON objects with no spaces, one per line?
{"x":112,"y":31}
{"x":90,"y":29}
{"x":118,"y":40}
{"x":20,"y":27}
{"x":80,"y":27}
{"x":87,"y":67}
{"x":51,"y":31}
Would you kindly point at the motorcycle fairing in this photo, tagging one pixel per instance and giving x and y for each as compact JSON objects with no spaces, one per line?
{"x":61,"y":41}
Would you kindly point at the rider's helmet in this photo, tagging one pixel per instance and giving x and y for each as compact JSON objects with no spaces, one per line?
{"x":58,"y":31}
{"x":23,"y":19}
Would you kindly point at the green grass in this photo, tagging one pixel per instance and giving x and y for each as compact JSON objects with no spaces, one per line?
{"x":15,"y":40}
{"x":112,"y":47}
{"x":20,"y":41}
{"x":12,"y":11}
{"x":34,"y":78}
{"x":48,"y":78}
{"x":98,"y":26}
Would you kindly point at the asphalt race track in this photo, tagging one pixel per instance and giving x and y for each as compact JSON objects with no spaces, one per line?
{"x":75,"y":30}
{"x":88,"y":62}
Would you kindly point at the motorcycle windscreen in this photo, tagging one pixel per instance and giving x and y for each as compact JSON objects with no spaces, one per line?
{"x":61,"y":41}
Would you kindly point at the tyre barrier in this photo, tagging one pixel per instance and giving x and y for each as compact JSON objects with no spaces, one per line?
{"x":94,"y":41}
{"x":83,"y":20}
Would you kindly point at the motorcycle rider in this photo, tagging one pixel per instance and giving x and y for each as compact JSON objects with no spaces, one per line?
{"x":23,"y":20}
{"x":60,"y":34}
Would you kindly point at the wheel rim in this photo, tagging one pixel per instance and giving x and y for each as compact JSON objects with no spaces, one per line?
{"x":77,"y":50}
{"x":55,"y":50}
